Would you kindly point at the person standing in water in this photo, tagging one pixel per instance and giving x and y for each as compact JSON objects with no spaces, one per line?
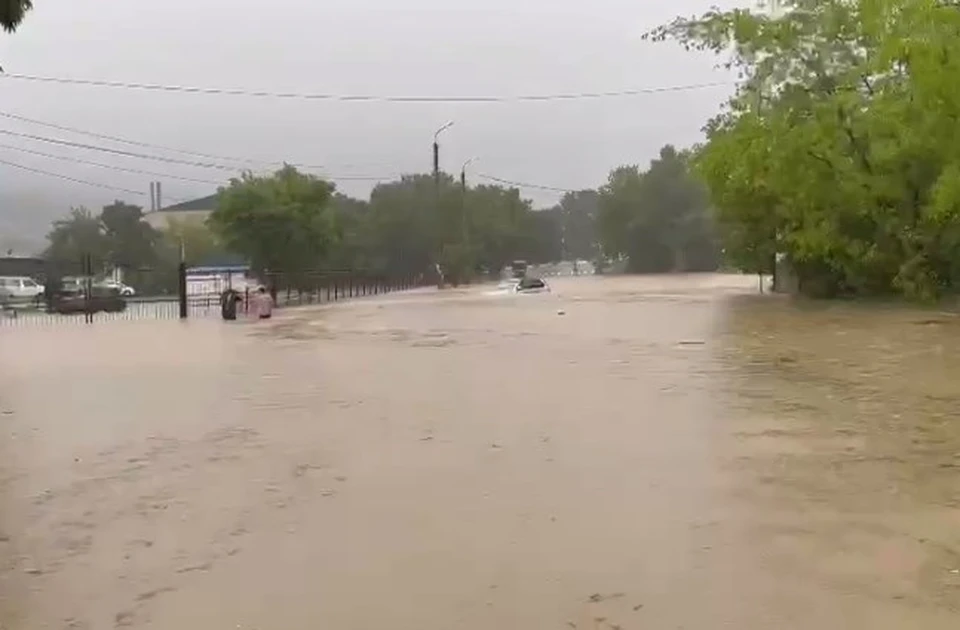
{"x":229,"y":300}
{"x":264,"y":303}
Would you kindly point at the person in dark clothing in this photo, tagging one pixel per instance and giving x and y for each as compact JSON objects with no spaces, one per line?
{"x":229,"y":300}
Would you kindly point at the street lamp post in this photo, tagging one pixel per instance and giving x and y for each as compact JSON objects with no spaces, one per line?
{"x":436,"y":155}
{"x":436,"y":184}
{"x":463,"y":198}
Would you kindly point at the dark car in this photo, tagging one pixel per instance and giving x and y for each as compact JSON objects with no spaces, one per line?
{"x":532,"y":285}
{"x":74,"y":298}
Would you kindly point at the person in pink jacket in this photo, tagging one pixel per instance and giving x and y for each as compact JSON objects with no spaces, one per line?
{"x":264,"y":303}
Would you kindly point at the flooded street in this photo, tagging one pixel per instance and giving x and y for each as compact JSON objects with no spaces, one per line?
{"x":671,"y":452}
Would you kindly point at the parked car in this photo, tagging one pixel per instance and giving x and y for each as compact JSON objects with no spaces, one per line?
{"x":124,"y":290}
{"x":73,"y":298}
{"x":19,"y":288}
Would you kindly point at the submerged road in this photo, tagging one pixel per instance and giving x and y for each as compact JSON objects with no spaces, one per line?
{"x":672,"y":452}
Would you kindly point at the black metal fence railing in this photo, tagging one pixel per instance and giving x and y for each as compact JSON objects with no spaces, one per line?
{"x":75,"y":293}
{"x":299,"y":289}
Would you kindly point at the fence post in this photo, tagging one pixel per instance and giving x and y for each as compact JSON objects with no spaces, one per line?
{"x":182,"y":288}
{"x":87,"y":284}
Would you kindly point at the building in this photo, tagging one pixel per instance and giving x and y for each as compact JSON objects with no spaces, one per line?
{"x":195,"y":210}
{"x":217,"y":274}
{"x":29,"y":266}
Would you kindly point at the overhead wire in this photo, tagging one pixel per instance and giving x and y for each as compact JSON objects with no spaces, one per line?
{"x":90,"y":147}
{"x":165,"y":159}
{"x":71,"y":179}
{"x":66,"y":158}
{"x":517,"y":184}
{"x":320,"y":96}
{"x":148,"y":145}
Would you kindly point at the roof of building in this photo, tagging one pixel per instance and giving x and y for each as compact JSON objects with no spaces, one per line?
{"x":195,"y":205}
{"x":222,"y":261}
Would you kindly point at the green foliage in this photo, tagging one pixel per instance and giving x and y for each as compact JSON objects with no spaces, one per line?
{"x":578,"y":218}
{"x":78,"y":235}
{"x":12,"y":13}
{"x":280,"y":222}
{"x":839,"y":149}
{"x":130,"y":241}
{"x":659,"y":218}
{"x":194,"y":240}
{"x":117,"y":238}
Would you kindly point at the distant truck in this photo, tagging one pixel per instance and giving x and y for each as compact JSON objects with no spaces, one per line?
{"x":518,"y":269}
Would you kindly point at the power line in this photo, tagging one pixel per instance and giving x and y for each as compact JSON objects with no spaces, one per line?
{"x":167,"y":160}
{"x":508,"y":182}
{"x":66,"y":158}
{"x":103,"y":136}
{"x":91,"y":147}
{"x":147,"y":145}
{"x":71,"y":179}
{"x":319,"y":96}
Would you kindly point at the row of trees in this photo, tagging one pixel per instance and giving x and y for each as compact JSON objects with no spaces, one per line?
{"x":290,"y":221}
{"x":839,"y":152}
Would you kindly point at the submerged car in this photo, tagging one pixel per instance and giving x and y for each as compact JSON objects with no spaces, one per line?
{"x":532,"y":285}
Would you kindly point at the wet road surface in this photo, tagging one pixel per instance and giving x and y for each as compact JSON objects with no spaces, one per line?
{"x":669,"y":453}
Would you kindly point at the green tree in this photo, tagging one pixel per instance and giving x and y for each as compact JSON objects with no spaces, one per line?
{"x":838,"y":149}
{"x":71,"y":239}
{"x":280,"y":223}
{"x":658,"y":219}
{"x":130,"y":241}
{"x":195,"y":240}
{"x":12,"y":13}
{"x":498,"y":226}
{"x":405,"y":228}
{"x":619,"y":201}
{"x":352,"y":226}
{"x":578,"y":216}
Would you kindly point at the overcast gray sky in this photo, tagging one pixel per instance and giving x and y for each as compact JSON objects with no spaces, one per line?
{"x":367,"y":47}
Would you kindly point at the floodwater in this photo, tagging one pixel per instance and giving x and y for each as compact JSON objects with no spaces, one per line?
{"x":671,"y":452}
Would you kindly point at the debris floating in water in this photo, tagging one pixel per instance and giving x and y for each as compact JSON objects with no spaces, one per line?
{"x":560,"y":311}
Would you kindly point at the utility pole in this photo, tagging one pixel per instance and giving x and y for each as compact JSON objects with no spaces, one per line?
{"x":436,"y":159}
{"x":436,"y":183}
{"x":463,"y":199}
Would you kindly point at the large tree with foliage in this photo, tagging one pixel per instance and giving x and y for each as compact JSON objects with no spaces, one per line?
{"x":116,"y":238}
{"x":130,"y":241}
{"x":839,"y":149}
{"x":578,"y":217}
{"x":75,"y":237}
{"x":280,"y":223}
{"x":657,"y":218}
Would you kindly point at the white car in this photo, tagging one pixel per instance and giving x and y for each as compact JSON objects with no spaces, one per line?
{"x":124,"y":290}
{"x":20,"y":288}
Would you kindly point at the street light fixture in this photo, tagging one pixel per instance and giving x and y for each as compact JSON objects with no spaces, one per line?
{"x":463,"y":172}
{"x":436,"y":151}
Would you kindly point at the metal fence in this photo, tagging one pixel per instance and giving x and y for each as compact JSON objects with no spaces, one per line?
{"x":167,"y":294}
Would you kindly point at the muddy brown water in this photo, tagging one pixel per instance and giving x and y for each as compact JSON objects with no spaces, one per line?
{"x":669,"y":453}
